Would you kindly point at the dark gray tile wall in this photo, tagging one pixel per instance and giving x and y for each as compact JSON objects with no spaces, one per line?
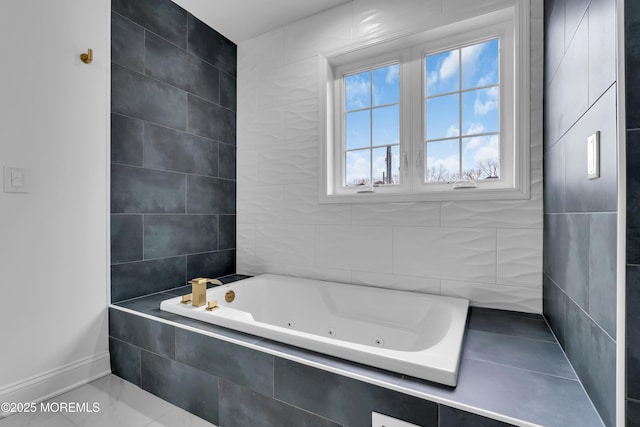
{"x":132,"y":279}
{"x":243,"y":366}
{"x":228,"y":384}
{"x":242,"y":407}
{"x":164,"y":18}
{"x":125,"y":360}
{"x":173,"y":154}
{"x":182,"y":385}
{"x":324,"y":393}
{"x":632,"y":101}
{"x":511,"y":365}
{"x":144,"y":333}
{"x":455,"y":417}
{"x":633,"y":413}
{"x":632,"y":64}
{"x":581,"y":214}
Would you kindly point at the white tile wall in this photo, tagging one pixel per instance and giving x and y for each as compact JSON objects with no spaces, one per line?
{"x":409,"y":214}
{"x":496,"y":296}
{"x":446,"y":253}
{"x":246,"y":240}
{"x":321,"y":32}
{"x":489,"y":252}
{"x":498,"y":214}
{"x":519,"y":257}
{"x":348,"y":247}
{"x":467,"y":7}
{"x":263,"y":126}
{"x":537,"y":136}
{"x":318,"y":273}
{"x":301,"y":121}
{"x":285,"y":244}
{"x":289,"y":163}
{"x":396,"y":281}
{"x":288,"y":83}
{"x":376,"y":18}
{"x":260,"y":204}
{"x":301,"y":207}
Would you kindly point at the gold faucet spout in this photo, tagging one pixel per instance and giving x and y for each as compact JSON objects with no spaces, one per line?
{"x":199,"y":290}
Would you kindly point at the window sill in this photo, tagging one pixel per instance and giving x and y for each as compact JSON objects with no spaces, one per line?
{"x":463,"y":194}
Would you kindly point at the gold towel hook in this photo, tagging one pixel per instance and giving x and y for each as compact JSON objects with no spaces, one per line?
{"x":87,"y":57}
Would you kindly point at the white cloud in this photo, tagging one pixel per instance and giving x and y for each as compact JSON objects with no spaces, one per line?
{"x":490,"y":151}
{"x":490,"y":103}
{"x":393,"y":74}
{"x":487,"y":79}
{"x":386,"y":93}
{"x":432,"y":78}
{"x":488,"y":148}
{"x":475,"y":128}
{"x":453,"y":131}
{"x":470,"y":55}
{"x":450,"y":163}
{"x":357,"y":90}
{"x":379,"y":166}
{"x":449,"y":66}
{"x":357,"y":167}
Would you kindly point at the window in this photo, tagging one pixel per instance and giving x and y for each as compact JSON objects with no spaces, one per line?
{"x":462,"y":106}
{"x":372,"y":126}
{"x":431,"y":116}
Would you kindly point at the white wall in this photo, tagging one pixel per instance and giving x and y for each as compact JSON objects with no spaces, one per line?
{"x":53,"y":240}
{"x":489,"y":252}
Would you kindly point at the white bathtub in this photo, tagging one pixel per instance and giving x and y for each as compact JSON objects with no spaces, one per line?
{"x":405,"y":332}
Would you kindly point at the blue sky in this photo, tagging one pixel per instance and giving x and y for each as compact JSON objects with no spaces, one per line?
{"x":372,"y":119}
{"x":461,"y":104}
{"x":469,"y":69}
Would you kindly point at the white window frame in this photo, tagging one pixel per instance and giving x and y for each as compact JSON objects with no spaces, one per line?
{"x":511,"y":26}
{"x":402,"y":58}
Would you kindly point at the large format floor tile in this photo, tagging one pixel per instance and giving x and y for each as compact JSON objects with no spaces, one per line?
{"x":120,"y":404}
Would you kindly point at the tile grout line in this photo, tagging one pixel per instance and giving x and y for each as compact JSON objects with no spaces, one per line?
{"x":164,"y":126}
{"x":185,"y":50}
{"x":175,"y":172}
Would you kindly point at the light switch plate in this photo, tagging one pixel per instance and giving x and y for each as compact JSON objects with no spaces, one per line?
{"x":15,"y":180}
{"x":593,"y":156}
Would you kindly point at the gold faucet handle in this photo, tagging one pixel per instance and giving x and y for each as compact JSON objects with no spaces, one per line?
{"x":212,"y":305}
{"x":186,"y":299}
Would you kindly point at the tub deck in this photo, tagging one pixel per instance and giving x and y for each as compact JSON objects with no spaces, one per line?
{"x":512,"y":369}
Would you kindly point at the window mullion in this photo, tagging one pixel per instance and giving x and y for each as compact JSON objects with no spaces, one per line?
{"x":460,"y":114}
{"x":422,"y":148}
{"x":371,"y":128}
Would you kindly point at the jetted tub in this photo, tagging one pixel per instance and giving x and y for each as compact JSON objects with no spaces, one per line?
{"x":409,"y":333}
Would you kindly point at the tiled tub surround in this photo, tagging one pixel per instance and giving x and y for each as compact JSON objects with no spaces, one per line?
{"x":173,"y":188}
{"x":513,"y":372}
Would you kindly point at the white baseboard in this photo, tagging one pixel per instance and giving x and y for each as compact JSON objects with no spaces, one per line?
{"x":56,"y":381}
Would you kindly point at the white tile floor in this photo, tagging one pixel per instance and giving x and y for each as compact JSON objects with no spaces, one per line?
{"x":121,"y":404}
